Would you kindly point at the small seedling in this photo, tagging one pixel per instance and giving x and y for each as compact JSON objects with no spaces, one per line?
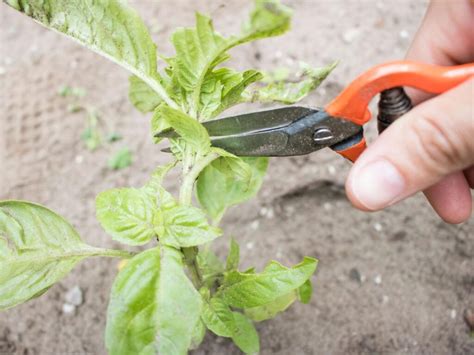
{"x":165,"y":297}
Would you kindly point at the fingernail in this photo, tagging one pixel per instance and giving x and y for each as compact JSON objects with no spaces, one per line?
{"x":377,"y":184}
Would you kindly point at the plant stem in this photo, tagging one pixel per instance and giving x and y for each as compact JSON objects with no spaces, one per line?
{"x":185,"y":198}
{"x":186,"y":191}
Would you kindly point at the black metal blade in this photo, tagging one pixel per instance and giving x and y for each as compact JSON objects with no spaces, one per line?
{"x":250,"y":122}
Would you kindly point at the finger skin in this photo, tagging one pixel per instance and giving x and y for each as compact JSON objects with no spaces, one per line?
{"x":451,"y":198}
{"x":421,"y":148}
{"x":445,"y":21}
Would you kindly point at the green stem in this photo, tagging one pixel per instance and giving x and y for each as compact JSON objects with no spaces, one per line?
{"x":186,"y":191}
{"x":185,"y":198}
{"x":117,"y":253}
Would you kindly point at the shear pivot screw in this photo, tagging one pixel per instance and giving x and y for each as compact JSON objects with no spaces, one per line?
{"x":322,"y":135}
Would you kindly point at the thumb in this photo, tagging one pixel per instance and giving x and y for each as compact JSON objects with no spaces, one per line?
{"x":434,"y":139}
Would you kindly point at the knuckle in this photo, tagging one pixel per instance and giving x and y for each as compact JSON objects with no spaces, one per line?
{"x":438,"y":146}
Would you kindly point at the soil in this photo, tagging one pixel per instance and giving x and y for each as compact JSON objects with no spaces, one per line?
{"x":397,"y":281}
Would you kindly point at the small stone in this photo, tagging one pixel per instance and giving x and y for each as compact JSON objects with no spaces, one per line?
{"x":270,"y":213}
{"x":278,"y":54}
{"x":327,"y":206}
{"x":74,"y":296}
{"x":79,"y":159}
{"x":453,"y":314}
{"x":249,"y":245}
{"x":331,"y":169}
{"x":355,"y":275}
{"x":8,"y":60}
{"x":279,"y":254}
{"x":263,"y":211}
{"x":68,"y":308}
{"x":404,"y":34}
{"x":378,"y":227}
{"x":350,"y":35}
{"x":2,"y":70}
{"x":385,"y":299}
{"x":378,"y":279}
{"x":255,"y":224}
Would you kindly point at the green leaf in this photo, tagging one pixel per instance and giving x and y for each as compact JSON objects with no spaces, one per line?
{"x":218,"y":317}
{"x":233,"y":257}
{"x":37,"y":249}
{"x":223,"y":88}
{"x":154,"y":307}
{"x":108,"y":27}
{"x":269,"y":18}
{"x":291,"y":92}
{"x":246,"y":336}
{"x":210,"y":265}
{"x":185,"y":226}
{"x":127,"y":214}
{"x":142,"y":96}
{"x":244,"y":290}
{"x":198,"y":335}
{"x":220,"y":320}
{"x":305,"y":292}
{"x":120,"y":160}
{"x":271,"y":309}
{"x":199,"y":50}
{"x":218,"y":188}
{"x":190,"y":130}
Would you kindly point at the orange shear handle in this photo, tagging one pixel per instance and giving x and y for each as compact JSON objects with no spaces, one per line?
{"x":351,"y":104}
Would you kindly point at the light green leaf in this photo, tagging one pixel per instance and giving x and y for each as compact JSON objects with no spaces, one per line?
{"x":154,"y":307}
{"x":144,"y":98}
{"x":269,"y":18}
{"x":271,"y":309}
{"x":190,"y":130}
{"x":251,"y":290}
{"x":218,"y":317}
{"x":234,"y":256}
{"x":305,"y":292}
{"x":198,"y":335}
{"x":37,"y":249}
{"x":246,"y":336}
{"x":199,"y":50}
{"x":108,"y":27}
{"x":291,"y":92}
{"x":210,"y":265}
{"x":223,"y":88}
{"x":127,"y":214}
{"x":185,"y":226}
{"x":218,"y":188}
{"x":120,"y":160}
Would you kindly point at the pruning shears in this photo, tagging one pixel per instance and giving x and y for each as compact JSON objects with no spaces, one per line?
{"x":297,"y":130}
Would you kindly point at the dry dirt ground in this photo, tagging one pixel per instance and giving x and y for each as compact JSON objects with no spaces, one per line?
{"x":391,"y":282}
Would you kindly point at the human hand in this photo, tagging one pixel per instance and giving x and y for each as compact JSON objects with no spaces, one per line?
{"x":431,"y":148}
